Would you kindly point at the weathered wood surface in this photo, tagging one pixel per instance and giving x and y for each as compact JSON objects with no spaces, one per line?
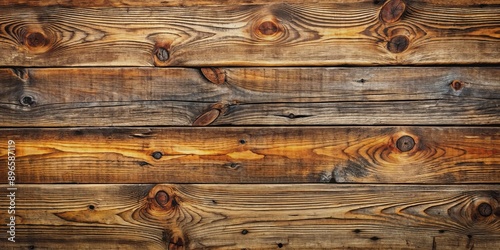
{"x":265,"y":34}
{"x":249,"y":96}
{"x":184,"y":3}
{"x":255,"y":155}
{"x":256,"y":217}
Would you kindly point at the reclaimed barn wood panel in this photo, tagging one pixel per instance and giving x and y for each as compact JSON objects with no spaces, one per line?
{"x":256,"y":155}
{"x":266,"y":34}
{"x":249,"y":96}
{"x":184,"y":3}
{"x":258,"y":216}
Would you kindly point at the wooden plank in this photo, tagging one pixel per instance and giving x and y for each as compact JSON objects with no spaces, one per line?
{"x":249,"y":96}
{"x":255,"y":155}
{"x":256,"y":217}
{"x":185,"y":3}
{"x":266,"y":34}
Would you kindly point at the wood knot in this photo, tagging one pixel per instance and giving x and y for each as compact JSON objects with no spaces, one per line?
{"x":27,"y":100}
{"x":162,"y":198}
{"x":405,"y":143}
{"x":392,"y":11}
{"x":176,"y":243}
{"x":209,"y":116}
{"x":36,"y":39}
{"x":398,"y":44}
{"x":214,"y":75}
{"x":162,"y":54}
{"x":157,"y":155}
{"x":485,"y":209}
{"x":457,"y":85}
{"x":268,"y":28}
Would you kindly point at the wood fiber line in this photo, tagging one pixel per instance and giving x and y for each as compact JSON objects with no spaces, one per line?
{"x":255,"y":155}
{"x":257,"y":216}
{"x":264,"y":34}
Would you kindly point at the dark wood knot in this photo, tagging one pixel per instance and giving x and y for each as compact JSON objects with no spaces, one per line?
{"x":157,"y":155}
{"x":268,"y":28}
{"x":485,"y":209}
{"x":162,"y":198}
{"x":405,"y":143}
{"x":398,"y":44}
{"x":36,"y":39}
{"x":162,"y":54}
{"x":27,"y":100}
{"x":392,"y":11}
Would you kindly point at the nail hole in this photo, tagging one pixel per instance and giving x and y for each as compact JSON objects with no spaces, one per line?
{"x":441,"y":231}
{"x":91,"y":207}
{"x":280,"y":245}
{"x":244,"y":231}
{"x":157,"y":155}
{"x":291,"y":116}
{"x":242,"y":141}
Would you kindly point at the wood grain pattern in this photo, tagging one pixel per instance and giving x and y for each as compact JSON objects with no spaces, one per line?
{"x":249,"y":96}
{"x":257,"y":217}
{"x":255,"y":155}
{"x":266,"y":34}
{"x":185,"y":3}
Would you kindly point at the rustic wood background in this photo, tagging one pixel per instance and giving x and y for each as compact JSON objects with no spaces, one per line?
{"x":251,"y":124}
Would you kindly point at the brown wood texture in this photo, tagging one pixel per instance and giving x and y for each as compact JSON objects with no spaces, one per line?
{"x":264,"y":34}
{"x":184,"y":3}
{"x":257,"y":217}
{"x":255,"y":155}
{"x":65,"y":97}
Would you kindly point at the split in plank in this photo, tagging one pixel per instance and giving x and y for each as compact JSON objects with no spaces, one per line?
{"x":255,"y":155}
{"x":256,"y":216}
{"x":249,"y":96}
{"x":349,"y":32}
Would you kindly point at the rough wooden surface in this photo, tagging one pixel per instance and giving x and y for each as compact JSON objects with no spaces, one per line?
{"x":184,"y":3}
{"x":257,"y":217}
{"x":265,"y":34}
{"x":255,"y":155}
{"x":249,"y":96}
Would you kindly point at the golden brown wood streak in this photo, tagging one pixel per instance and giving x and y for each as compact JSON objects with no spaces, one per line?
{"x":257,"y":217}
{"x":264,"y":34}
{"x":255,"y":155}
{"x":249,"y":96}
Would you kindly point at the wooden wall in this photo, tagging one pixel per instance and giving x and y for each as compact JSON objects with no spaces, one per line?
{"x":234,"y":124}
